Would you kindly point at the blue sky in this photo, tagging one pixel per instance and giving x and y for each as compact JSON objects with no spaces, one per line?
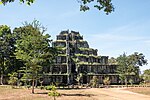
{"x":125,"y":30}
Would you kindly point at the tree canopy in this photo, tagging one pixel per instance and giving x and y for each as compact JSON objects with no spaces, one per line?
{"x":105,"y":5}
{"x":129,"y":65}
{"x":33,"y":48}
{"x":146,"y":76}
{"x":6,"y":51}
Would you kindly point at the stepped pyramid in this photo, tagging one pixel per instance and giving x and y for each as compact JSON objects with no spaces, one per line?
{"x":76,"y":57}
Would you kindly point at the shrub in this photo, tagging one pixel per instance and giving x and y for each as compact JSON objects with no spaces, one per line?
{"x":52,"y":93}
{"x":49,"y":87}
{"x":94,"y":82}
{"x":106,"y":81}
{"x":41,"y":87}
{"x":13,"y":79}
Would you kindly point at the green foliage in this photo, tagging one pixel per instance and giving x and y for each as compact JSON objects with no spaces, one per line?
{"x":83,"y":63}
{"x":95,"y":63}
{"x":41,"y":87}
{"x":26,"y":78}
{"x":146,"y":76}
{"x":61,"y":48}
{"x":28,"y":2}
{"x":112,"y":60}
{"x":33,"y":48}
{"x":84,"y":49}
{"x":49,"y":87}
{"x":53,"y":92}
{"x":131,"y":81}
{"x":79,"y":77}
{"x":62,"y":55}
{"x":147,"y":72}
{"x":94,"y":82}
{"x":94,"y":56}
{"x":13,"y":79}
{"x":6,"y":51}
{"x":106,"y":81}
{"x":122,"y":68}
{"x":105,"y":5}
{"x":137,"y":59}
{"x":82,"y":55}
{"x":129,"y":65}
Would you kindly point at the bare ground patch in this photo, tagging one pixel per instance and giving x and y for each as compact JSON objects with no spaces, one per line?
{"x":141,"y":90}
{"x":71,"y":94}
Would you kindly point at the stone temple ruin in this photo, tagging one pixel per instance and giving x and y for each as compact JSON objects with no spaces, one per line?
{"x":75,"y":57}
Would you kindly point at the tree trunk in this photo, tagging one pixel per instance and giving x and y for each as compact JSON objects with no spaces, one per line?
{"x":36,"y":82}
{"x":54,"y":95}
{"x":54,"y":98}
{"x":2,"y":79}
{"x":126,"y":82}
{"x":2,"y":71}
{"x":33,"y":86}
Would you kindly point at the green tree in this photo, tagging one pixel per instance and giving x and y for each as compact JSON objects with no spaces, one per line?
{"x":122,"y":68}
{"x":6,"y":51}
{"x":33,"y":48}
{"x":21,"y":1}
{"x":146,"y":75}
{"x":129,"y":65}
{"x":135,"y":61}
{"x":105,"y":5}
{"x":13,"y":79}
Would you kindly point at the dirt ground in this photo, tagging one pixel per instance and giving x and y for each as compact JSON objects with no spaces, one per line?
{"x":141,"y":90}
{"x":73,"y":94}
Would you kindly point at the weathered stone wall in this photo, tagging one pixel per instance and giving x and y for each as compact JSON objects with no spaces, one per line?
{"x":76,"y":57}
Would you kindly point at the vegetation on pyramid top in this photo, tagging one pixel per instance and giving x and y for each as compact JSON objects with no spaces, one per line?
{"x":95,"y":56}
{"x":86,"y":49}
{"x":64,"y":32}
{"x":82,"y":55}
{"x":81,"y":40}
{"x":62,"y":55}
{"x":61,"y":48}
{"x":82,"y":63}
